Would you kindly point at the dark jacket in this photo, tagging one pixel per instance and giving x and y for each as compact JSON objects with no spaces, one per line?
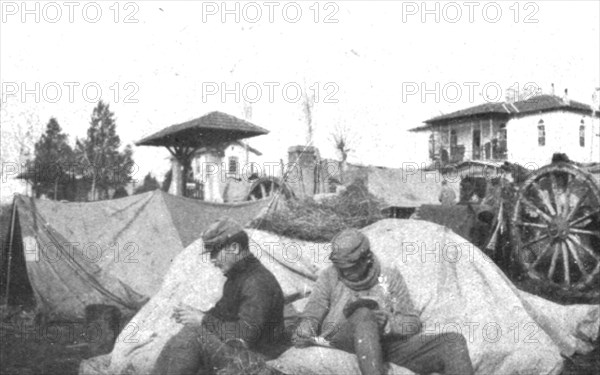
{"x":250,"y":309}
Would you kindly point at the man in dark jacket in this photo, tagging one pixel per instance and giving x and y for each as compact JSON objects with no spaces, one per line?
{"x":243,"y":329}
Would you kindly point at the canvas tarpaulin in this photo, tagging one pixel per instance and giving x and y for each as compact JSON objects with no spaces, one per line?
{"x":404,"y":188}
{"x":112,"y":252}
{"x":407,"y":188}
{"x":463,"y":219}
{"x":455,"y":287}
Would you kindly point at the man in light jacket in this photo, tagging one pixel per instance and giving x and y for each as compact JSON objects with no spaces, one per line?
{"x":363,"y":307}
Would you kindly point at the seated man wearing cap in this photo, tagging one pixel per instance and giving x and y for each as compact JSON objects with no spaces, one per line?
{"x":362,"y":307}
{"x":243,"y":329}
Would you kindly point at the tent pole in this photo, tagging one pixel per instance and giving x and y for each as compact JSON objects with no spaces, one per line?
{"x":10,"y":242}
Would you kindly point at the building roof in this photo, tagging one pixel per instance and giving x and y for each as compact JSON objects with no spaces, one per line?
{"x":212,"y":128}
{"x":536,"y":104}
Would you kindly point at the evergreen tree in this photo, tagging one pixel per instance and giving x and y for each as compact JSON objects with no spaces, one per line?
{"x":150,"y":184}
{"x":52,"y":162}
{"x":99,"y":154}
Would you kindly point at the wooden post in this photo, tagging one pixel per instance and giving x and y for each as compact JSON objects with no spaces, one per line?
{"x":450,"y":143}
{"x":481,"y":142}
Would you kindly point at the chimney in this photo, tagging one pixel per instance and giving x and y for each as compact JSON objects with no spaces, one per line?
{"x":565,"y":98}
{"x":552,"y":89}
{"x":302,"y":162}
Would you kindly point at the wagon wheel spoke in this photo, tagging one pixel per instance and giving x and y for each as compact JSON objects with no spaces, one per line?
{"x":584,"y":217}
{"x":575,"y":255}
{"x":252,"y":197}
{"x":584,"y":231}
{"x":537,"y":261}
{"x":536,"y":240}
{"x":532,"y":206}
{"x":544,"y":198}
{"x":578,"y":244}
{"x":595,"y":271}
{"x":568,"y":191}
{"x":553,"y":262}
{"x":567,"y":271}
{"x":553,"y":189}
{"x":578,"y":204}
{"x":533,"y":225}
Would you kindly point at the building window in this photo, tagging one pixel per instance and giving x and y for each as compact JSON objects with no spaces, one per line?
{"x":476,"y":144}
{"x":444,"y":140}
{"x":541,"y":133}
{"x":453,"y":138}
{"x":582,"y":134}
{"x":453,"y":145}
{"x":232,"y":165}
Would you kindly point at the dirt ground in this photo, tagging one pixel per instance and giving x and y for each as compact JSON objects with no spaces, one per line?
{"x":57,"y":348}
{"x":28,"y":347}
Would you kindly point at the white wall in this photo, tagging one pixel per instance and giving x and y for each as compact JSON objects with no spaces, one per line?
{"x":562,"y":135}
{"x":214,"y":183}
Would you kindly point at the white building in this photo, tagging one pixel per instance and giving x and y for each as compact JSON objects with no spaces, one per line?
{"x":527,"y":131}
{"x":222,"y":175}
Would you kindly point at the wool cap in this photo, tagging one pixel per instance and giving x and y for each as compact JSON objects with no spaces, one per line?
{"x":349,"y":247}
{"x":219,"y":232}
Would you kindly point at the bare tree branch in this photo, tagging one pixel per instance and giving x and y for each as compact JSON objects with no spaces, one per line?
{"x":308,"y":103}
{"x":343,"y":141}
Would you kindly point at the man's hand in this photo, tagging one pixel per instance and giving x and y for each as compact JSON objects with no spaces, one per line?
{"x":303,"y":335}
{"x":382,"y":318}
{"x":188,"y":315}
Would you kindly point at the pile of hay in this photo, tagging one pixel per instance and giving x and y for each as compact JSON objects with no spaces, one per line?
{"x":309,"y":220}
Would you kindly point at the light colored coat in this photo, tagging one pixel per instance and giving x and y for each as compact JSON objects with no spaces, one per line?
{"x":325,"y":306}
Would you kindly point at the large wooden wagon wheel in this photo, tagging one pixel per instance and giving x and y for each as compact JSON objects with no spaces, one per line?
{"x":266,"y":187}
{"x":556,"y":227}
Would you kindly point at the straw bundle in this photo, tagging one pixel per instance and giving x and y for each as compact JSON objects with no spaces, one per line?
{"x":309,"y":220}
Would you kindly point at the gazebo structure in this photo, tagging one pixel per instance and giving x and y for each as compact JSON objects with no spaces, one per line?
{"x":213,"y":130}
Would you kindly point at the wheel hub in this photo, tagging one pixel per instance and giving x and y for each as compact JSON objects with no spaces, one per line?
{"x":559,"y":228}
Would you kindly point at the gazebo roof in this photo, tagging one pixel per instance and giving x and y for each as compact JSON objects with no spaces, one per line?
{"x":212,"y":128}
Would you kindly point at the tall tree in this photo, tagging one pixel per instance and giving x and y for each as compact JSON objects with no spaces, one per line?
{"x":308,"y":104}
{"x":99,"y":153}
{"x":53,"y":158}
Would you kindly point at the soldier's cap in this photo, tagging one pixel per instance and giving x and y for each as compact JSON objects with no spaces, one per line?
{"x":349,"y":247}
{"x":218,"y":233}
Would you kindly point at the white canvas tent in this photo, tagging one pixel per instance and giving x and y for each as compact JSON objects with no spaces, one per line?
{"x":453,"y":284}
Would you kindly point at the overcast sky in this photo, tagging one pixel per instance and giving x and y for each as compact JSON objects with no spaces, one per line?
{"x":366,"y":61}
